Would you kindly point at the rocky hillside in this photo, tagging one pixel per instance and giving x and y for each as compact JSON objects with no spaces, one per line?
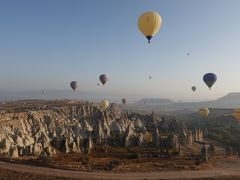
{"x":77,"y":128}
{"x":67,"y":129}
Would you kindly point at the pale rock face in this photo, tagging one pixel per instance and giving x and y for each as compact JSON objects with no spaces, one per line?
{"x":123,"y":124}
{"x":13,"y":153}
{"x":156,"y":138}
{"x":129,"y":131}
{"x":26,"y":127}
{"x":66,"y":148}
{"x":115,"y":128}
{"x":139,"y":127}
{"x":78,"y":142}
{"x":6,"y":130}
{"x":74,"y":129}
{"x":140,"y":139}
{"x":77,"y":129}
{"x":87,"y":126}
{"x":127,"y":135}
{"x":37,"y":149}
{"x":70,"y":138}
{"x":19,"y":141}
{"x":5,"y":144}
{"x":73,"y":147}
{"x":137,"y":123}
{"x":98,"y":133}
{"x":89,"y":144}
{"x":106,"y":129}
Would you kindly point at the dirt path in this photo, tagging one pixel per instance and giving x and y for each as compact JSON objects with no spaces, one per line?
{"x":227,"y":169}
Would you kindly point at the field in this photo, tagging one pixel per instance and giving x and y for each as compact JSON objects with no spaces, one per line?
{"x":225,"y":169}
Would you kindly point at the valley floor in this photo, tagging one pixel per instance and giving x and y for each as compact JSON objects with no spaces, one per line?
{"x":225,"y":169}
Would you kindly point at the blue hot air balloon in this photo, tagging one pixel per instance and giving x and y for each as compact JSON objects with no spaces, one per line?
{"x":209,"y":79}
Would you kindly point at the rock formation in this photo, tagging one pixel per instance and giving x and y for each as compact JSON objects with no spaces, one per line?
{"x":76,"y":129}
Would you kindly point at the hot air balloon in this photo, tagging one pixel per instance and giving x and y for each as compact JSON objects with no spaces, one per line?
{"x":209,"y":79}
{"x":236,"y":113}
{"x":149,"y":24}
{"x":103,"y":78}
{"x":124,"y":100}
{"x":203,"y":112}
{"x":104,"y":105}
{"x":98,"y":84}
{"x":194,"y":88}
{"x":150,"y":77}
{"x":74,"y":85}
{"x":187,"y":54}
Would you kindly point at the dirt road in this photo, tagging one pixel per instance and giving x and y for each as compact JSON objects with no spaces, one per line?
{"x":225,"y":169}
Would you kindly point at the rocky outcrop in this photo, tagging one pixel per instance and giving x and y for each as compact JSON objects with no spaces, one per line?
{"x":65,"y":129}
{"x":13,"y":153}
{"x":76,"y":129}
{"x":156,"y":138}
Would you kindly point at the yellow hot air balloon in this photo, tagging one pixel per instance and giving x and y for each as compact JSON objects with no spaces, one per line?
{"x":104,"y":105}
{"x":149,"y":24}
{"x":236,"y":113}
{"x":203,"y":112}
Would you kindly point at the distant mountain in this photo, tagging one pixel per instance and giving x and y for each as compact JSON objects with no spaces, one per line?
{"x":58,"y":94}
{"x":155,"y":102}
{"x":231,"y":100}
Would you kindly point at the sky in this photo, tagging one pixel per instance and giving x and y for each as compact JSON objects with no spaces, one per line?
{"x":47,"y":44}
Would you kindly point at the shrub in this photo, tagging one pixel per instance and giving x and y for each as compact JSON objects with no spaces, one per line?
{"x":86,"y":159}
{"x":134,"y":156}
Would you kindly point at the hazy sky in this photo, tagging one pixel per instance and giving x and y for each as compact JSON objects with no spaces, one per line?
{"x":45,"y":44}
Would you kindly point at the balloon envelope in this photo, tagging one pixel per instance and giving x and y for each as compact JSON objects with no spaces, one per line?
{"x":236,"y":114}
{"x":194,"y":88}
{"x":124,"y":101}
{"x":104,"y":105}
{"x":203,"y":112}
{"x":210,"y":79}
{"x":103,"y":78}
{"x":149,"y":24}
{"x":74,"y":85}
